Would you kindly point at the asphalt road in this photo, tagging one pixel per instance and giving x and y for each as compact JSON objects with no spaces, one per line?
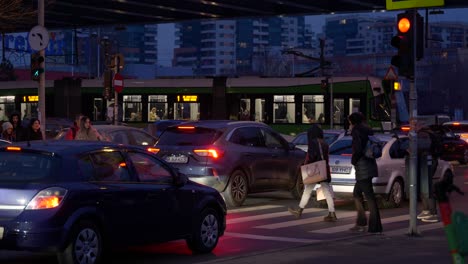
{"x":262,"y":225}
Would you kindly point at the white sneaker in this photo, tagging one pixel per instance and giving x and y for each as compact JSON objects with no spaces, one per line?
{"x":424,"y":214}
{"x":431,"y":219}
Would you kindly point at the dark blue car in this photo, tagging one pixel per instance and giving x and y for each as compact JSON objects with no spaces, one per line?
{"x":77,"y":198}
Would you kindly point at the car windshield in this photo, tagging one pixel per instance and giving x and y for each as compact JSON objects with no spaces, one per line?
{"x":26,"y":167}
{"x":458,"y":128}
{"x":330,"y":137}
{"x":189,"y":136}
{"x":342,"y":147}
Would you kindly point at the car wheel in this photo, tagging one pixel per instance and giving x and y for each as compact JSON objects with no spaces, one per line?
{"x":298,"y":188}
{"x":205,"y":235}
{"x":396,"y":195}
{"x":84,"y":245}
{"x":236,"y":191}
{"x":464,"y":159}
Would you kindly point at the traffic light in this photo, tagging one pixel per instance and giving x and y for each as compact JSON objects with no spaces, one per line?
{"x":36,"y":66}
{"x":408,"y":47}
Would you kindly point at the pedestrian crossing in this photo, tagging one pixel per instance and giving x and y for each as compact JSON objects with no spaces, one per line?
{"x":275,"y":223}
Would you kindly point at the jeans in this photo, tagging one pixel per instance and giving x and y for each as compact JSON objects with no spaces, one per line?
{"x":308,"y":188}
{"x":365,"y":186}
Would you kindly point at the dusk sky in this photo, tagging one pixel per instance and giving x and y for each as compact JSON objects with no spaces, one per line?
{"x":165,"y":47}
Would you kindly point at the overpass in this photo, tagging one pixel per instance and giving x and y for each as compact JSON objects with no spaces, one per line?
{"x":85,"y":13}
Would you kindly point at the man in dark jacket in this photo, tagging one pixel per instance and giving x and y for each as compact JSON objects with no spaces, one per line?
{"x":366,"y":169}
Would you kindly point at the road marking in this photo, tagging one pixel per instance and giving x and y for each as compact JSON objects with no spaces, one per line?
{"x":421,"y":228}
{"x":310,"y":220}
{"x":268,"y":216}
{"x":272,"y":238}
{"x":254,"y":208}
{"x":346,"y":227}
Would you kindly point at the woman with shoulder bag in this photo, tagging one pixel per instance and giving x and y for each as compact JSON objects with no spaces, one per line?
{"x":317,"y":150}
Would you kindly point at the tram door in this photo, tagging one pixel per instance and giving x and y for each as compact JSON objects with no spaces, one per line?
{"x":187,"y":107}
{"x":343,"y":107}
{"x":259,"y":113}
{"x":98,"y":106}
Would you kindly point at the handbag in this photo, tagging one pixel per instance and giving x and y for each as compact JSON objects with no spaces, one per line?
{"x":320,"y":191}
{"x":316,"y":171}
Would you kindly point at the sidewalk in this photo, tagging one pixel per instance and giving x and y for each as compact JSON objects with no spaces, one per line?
{"x":430,"y":247}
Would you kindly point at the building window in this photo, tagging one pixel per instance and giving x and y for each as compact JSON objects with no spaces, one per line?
{"x":313,"y":109}
{"x":132,"y":108}
{"x":283,"y":109}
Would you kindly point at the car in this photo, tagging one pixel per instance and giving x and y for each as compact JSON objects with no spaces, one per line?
{"x":120,"y":134}
{"x":4,"y":142}
{"x":453,"y":148}
{"x":459,"y":128}
{"x":391,"y":181}
{"x":329,"y":135}
{"x":158,"y":127}
{"x":76,"y":198}
{"x":234,"y":157}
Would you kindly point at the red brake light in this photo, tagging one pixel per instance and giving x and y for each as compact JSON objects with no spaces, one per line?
{"x":153,"y":150}
{"x":122,"y":164}
{"x":14,"y":148}
{"x":48,"y":198}
{"x":186,"y":127}
{"x":346,"y":154}
{"x":456,"y":123}
{"x":405,"y":128}
{"x":207,"y":153}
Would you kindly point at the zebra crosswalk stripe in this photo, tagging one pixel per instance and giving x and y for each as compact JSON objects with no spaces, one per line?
{"x":268,"y":216}
{"x":342,"y":228}
{"x":306,"y":220}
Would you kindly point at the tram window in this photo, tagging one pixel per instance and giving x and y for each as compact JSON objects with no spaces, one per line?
{"x":132,"y":107}
{"x":313,"y":108}
{"x":244,"y":111}
{"x":380,"y":110}
{"x":7,"y":107}
{"x":284,"y":109}
{"x":157,"y":107}
{"x":338,"y":111}
{"x":187,"y":111}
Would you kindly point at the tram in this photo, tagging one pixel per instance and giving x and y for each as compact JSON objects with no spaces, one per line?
{"x":287,"y":104}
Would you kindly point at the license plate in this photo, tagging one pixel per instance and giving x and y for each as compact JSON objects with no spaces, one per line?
{"x":340,"y":169}
{"x":177,"y":159}
{"x":1,"y":232}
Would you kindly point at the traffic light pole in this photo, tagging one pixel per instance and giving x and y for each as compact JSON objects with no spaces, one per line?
{"x":413,"y":144}
{"x":41,"y":90}
{"x":116,"y":94}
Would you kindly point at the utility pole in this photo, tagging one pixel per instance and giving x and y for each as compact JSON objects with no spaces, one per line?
{"x":413,"y":140}
{"x":41,"y":90}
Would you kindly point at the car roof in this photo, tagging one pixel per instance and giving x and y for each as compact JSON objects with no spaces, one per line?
{"x":114,"y":127}
{"x":382,"y":137}
{"x":219,"y":124}
{"x":327,"y":131}
{"x":66,"y":147}
{"x":461,"y":122}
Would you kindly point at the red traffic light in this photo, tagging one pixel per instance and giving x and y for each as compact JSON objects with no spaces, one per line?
{"x":404,"y":25}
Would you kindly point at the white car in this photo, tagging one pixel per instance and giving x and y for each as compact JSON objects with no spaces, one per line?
{"x":391,"y":181}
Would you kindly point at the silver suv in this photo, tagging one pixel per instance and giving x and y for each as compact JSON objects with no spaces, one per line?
{"x":234,"y":157}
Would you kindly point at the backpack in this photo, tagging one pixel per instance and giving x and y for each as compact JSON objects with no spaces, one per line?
{"x":373,"y":148}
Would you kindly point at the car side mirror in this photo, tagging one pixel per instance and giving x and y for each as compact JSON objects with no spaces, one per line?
{"x":180,"y":179}
{"x":291,"y":146}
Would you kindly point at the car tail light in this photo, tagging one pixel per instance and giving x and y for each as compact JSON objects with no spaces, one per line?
{"x":47,"y":199}
{"x":464,"y":137}
{"x":214,"y":153}
{"x":153,"y":150}
{"x":405,"y":128}
{"x":346,"y":154}
{"x":13,"y":148}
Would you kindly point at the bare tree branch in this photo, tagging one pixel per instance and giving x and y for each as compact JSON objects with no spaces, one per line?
{"x":18,"y":14}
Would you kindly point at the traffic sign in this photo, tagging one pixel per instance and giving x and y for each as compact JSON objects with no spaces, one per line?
{"x":407,"y":4}
{"x":391,"y":75}
{"x":38,"y":38}
{"x":118,"y":82}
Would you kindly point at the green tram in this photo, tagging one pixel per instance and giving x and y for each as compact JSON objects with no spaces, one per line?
{"x":287,"y":104}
